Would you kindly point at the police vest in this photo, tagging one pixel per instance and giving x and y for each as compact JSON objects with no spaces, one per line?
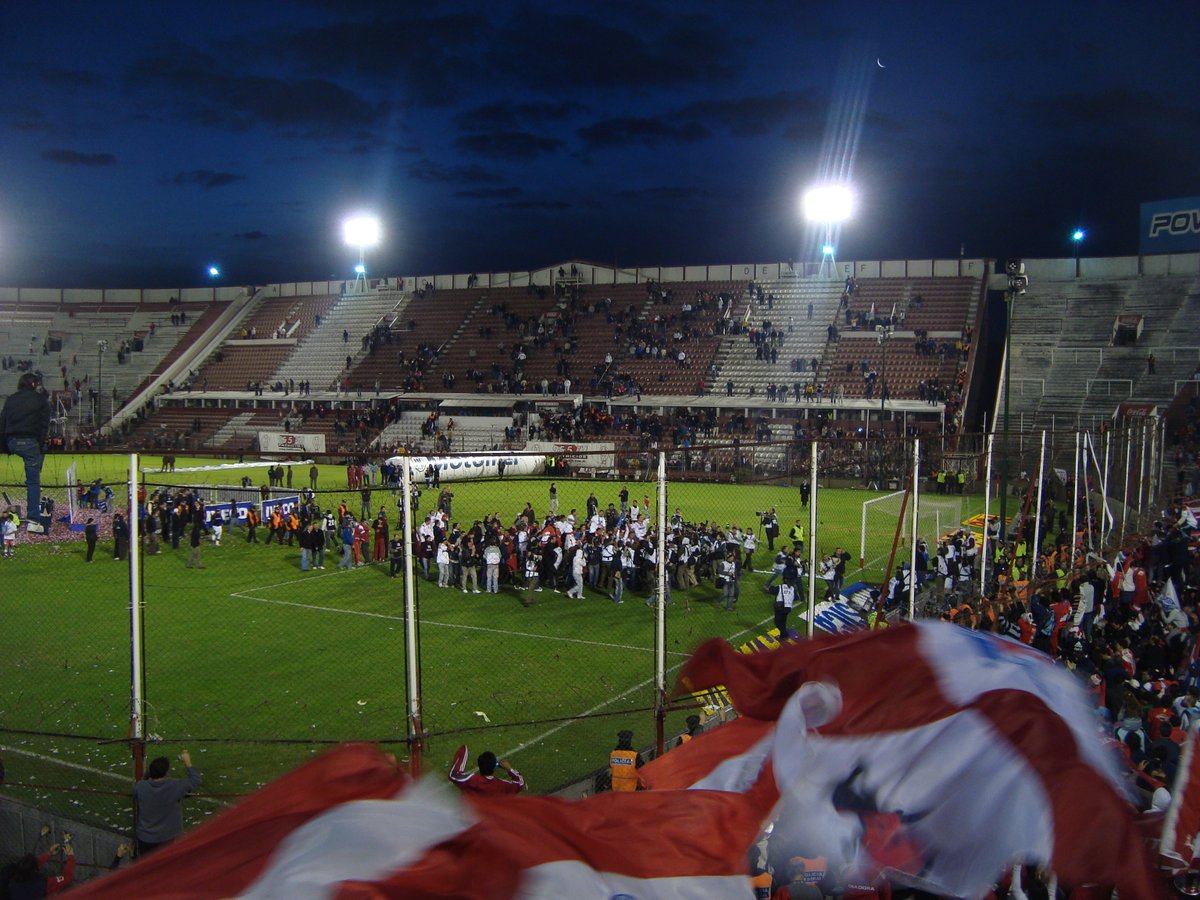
{"x":622,"y":764}
{"x":761,"y":883}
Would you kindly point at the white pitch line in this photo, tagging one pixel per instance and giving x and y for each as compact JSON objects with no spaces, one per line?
{"x":243,"y":595}
{"x":17,"y":751}
{"x":599,"y":706}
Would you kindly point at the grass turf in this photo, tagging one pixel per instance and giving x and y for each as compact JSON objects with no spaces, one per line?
{"x":250,"y":648}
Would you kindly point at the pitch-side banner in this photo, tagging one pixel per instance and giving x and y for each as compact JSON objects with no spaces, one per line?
{"x":596,"y":456}
{"x":285,"y":442}
{"x":463,"y":468}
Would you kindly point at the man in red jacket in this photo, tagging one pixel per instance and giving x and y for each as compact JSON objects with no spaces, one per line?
{"x":484,"y":781}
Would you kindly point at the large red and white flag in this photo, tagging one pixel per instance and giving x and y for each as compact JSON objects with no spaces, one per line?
{"x":348,"y":825}
{"x":931,"y":755}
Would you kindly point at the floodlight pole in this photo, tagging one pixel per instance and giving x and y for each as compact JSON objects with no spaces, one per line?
{"x":360,"y":280}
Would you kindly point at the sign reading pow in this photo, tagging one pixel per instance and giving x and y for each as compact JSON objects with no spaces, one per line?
{"x":1171,"y":226}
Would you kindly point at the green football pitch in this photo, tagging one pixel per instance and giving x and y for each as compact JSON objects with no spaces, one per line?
{"x":254,"y":666}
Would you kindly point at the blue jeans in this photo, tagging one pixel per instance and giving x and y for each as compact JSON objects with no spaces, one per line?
{"x":304,"y":557}
{"x":30,"y":450}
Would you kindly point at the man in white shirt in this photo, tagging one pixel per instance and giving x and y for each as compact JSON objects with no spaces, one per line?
{"x":785,"y":599}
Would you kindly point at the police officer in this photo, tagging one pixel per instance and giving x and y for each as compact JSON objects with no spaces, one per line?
{"x":623,"y":763}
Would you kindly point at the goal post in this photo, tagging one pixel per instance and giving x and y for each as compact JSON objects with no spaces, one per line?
{"x":884,"y":508}
{"x":936,"y":516}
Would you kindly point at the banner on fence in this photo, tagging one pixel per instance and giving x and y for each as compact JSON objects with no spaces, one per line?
{"x":598,"y":457}
{"x":236,"y":511}
{"x":462,"y":468}
{"x":286,"y":442}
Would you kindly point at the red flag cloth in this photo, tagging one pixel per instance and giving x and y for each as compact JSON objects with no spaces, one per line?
{"x":348,"y":825}
{"x":1181,"y":825}
{"x":934,"y":754}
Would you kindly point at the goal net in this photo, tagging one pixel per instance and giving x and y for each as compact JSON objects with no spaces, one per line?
{"x":936,"y":516}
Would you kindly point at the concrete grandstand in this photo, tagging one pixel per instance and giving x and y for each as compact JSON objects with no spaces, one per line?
{"x":208,"y":369}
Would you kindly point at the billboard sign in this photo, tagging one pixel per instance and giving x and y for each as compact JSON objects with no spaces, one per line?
{"x":1171,"y":226}
{"x":286,"y":442}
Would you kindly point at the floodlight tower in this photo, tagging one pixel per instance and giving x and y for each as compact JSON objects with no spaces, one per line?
{"x":361,"y":231}
{"x":1077,"y":237}
{"x":828,"y":206}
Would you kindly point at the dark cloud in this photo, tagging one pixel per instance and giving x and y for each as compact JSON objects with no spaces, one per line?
{"x":666,"y":194}
{"x":506,"y":116}
{"x":507,"y":145}
{"x":426,"y":169}
{"x":75,"y":158}
{"x":71,"y":78}
{"x":638,"y":130}
{"x":538,"y":205}
{"x":424,"y":60}
{"x":1124,"y":108}
{"x":251,"y":235}
{"x":211,"y":92}
{"x":205,"y":178}
{"x":583,"y":50}
{"x":498,"y":193}
{"x":756,"y":114}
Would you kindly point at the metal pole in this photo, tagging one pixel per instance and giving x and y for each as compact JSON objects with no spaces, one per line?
{"x":1149,"y":461}
{"x":812,"y":540}
{"x":987,"y":512}
{"x":660,"y":612}
{"x":1004,"y":460}
{"x":1104,"y":510}
{"x":1075,"y":500}
{"x":912,"y":562}
{"x":1128,"y":466}
{"x":137,"y":648}
{"x":412,"y":667}
{"x":1142,"y":470}
{"x":1037,"y":520}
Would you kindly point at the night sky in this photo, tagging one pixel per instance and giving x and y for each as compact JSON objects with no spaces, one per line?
{"x":141,"y":142}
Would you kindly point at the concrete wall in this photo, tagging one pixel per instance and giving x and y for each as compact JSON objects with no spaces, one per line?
{"x":21,"y":823}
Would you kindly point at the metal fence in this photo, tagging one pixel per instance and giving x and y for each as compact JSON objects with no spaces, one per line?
{"x":534,"y":604}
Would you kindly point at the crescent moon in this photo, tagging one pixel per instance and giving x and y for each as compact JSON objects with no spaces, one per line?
{"x":879,"y":63}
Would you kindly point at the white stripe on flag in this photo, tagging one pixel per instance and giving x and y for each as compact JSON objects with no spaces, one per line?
{"x":738,"y":773}
{"x":577,"y":880}
{"x":969,"y":664}
{"x":944,"y":782}
{"x":364,"y":840}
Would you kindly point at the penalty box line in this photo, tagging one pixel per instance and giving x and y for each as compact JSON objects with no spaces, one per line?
{"x":246,"y":595}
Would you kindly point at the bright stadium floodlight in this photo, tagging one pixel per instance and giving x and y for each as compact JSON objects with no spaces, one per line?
{"x":214,"y":271}
{"x":828,"y":205}
{"x":1078,"y":235}
{"x":361,"y":231}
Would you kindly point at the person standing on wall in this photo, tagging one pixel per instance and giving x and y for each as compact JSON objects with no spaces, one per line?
{"x":24,"y":427}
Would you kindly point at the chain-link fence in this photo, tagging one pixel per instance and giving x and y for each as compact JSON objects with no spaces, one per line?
{"x":534,"y":604}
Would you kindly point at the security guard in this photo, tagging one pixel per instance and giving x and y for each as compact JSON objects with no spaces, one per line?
{"x":623,"y":763}
{"x":797,"y":534}
{"x":693,"y":727}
